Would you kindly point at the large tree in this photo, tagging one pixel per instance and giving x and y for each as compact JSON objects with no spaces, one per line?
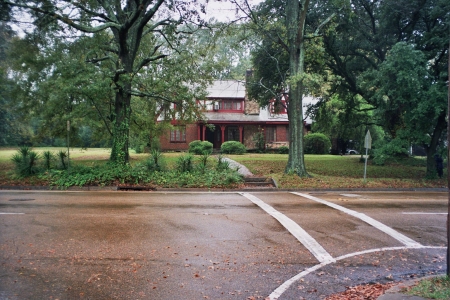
{"x":14,"y":131}
{"x":359,"y":43}
{"x":280,"y":64}
{"x":127,"y":24}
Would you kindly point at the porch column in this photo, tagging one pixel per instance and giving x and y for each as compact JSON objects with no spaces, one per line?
{"x":198,"y":131}
{"x":222,"y":130}
{"x":204,"y":133}
{"x":241,"y":136}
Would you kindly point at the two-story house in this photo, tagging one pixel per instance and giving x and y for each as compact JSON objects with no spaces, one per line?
{"x":231,"y":116}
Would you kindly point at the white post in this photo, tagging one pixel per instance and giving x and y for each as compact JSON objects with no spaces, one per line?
{"x":367,"y":145}
{"x":365,"y":165}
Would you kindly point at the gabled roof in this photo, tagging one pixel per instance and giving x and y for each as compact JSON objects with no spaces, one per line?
{"x":226,"y":89}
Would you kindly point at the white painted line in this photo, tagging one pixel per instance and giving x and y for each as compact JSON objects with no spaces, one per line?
{"x":422,"y":213}
{"x":351,"y":195}
{"x":380,"y":226}
{"x":283,"y":288}
{"x":3,"y":213}
{"x":302,"y":236}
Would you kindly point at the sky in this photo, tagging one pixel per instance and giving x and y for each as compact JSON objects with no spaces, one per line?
{"x":224,"y":10}
{"x":221,"y":10}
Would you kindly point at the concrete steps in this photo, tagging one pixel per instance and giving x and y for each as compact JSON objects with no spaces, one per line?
{"x":259,"y":182}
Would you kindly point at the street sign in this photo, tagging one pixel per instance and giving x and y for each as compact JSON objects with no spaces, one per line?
{"x":368,"y":141}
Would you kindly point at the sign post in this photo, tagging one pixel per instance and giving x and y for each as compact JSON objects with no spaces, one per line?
{"x":367,"y":145}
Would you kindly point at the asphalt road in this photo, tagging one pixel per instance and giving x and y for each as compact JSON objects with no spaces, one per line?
{"x":148,"y":245}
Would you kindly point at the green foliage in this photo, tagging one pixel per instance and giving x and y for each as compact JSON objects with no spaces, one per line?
{"x":200,"y":147}
{"x":63,"y":163}
{"x":145,"y":174}
{"x":203,"y":161}
{"x":48,"y":157}
{"x":384,"y":150}
{"x":185,"y":163}
{"x":222,"y":164}
{"x":317,"y":143}
{"x":432,"y":288}
{"x":400,"y":71}
{"x":108,"y":174}
{"x":233,"y":147}
{"x":156,"y":161}
{"x":260,"y":141}
{"x":283,"y":150}
{"x":25,"y":162}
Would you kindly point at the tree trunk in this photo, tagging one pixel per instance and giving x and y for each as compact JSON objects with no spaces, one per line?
{"x":121,"y":127}
{"x":296,"y":14}
{"x":432,"y":147}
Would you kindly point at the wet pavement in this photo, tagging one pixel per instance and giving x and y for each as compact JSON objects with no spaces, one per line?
{"x":233,"y":245}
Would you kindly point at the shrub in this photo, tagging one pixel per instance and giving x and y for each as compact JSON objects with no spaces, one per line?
{"x":222,"y":165}
{"x":200,"y":147}
{"x":233,"y":147}
{"x":260,"y":141}
{"x":317,"y":143}
{"x":48,"y":158}
{"x":203,"y":161}
{"x":25,"y":161}
{"x":385,"y":150}
{"x":283,"y":150}
{"x":63,"y":159}
{"x":155,"y":162}
{"x":184,"y":163}
{"x":138,"y":149}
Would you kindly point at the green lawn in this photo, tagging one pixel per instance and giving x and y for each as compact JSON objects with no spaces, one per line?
{"x":432,"y":288}
{"x":335,"y":171}
{"x":327,"y":171}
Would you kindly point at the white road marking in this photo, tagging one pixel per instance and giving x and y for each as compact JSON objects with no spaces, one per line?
{"x":380,"y":226}
{"x":422,"y":213}
{"x":351,"y":195}
{"x":282,"y":288}
{"x":302,"y":236}
{"x":3,"y":213}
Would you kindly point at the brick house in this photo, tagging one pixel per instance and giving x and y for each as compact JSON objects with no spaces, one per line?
{"x":231,"y":116}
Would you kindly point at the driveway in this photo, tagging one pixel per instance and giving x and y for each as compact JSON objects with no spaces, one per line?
{"x":277,"y":245}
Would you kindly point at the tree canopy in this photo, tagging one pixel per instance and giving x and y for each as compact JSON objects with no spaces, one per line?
{"x":393,"y":54}
{"x":120,"y":42}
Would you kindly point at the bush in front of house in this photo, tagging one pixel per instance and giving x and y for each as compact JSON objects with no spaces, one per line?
{"x":283,"y":150}
{"x":200,"y":147}
{"x":233,"y":147}
{"x":317,"y":143}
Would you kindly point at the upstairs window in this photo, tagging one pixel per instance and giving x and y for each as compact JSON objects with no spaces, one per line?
{"x":230,"y":105}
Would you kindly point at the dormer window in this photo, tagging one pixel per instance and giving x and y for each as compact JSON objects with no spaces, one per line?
{"x":232,"y":105}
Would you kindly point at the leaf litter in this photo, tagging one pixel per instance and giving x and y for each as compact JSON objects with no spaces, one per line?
{"x":362,"y":292}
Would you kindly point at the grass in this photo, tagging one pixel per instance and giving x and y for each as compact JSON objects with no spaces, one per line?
{"x":334,"y":171}
{"x":327,"y":171}
{"x":432,"y":288}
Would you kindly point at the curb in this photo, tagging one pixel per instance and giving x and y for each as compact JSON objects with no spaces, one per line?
{"x":261,"y":189}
